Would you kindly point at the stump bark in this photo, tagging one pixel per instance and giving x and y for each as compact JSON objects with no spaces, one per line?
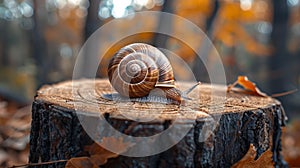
{"x":220,"y":129}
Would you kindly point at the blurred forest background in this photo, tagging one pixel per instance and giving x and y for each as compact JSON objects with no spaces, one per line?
{"x":40,"y":40}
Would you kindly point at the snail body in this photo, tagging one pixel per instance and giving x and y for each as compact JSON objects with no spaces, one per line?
{"x":138,"y":69}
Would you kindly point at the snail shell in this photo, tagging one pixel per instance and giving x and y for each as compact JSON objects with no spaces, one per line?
{"x":138,"y":68}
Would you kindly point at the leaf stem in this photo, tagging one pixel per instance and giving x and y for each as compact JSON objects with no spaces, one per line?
{"x":38,"y":164}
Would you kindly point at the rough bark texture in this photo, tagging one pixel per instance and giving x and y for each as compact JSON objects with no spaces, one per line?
{"x":57,"y":133}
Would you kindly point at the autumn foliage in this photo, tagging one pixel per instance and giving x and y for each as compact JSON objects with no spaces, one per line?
{"x":249,"y":161}
{"x":98,"y":155}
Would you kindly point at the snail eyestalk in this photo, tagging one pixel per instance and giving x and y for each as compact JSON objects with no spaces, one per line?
{"x":188,"y":91}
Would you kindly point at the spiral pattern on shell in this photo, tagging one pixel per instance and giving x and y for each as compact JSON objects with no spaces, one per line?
{"x":138,"y":68}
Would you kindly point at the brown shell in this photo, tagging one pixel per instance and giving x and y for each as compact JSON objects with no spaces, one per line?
{"x":138,"y":68}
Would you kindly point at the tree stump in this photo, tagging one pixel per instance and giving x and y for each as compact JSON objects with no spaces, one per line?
{"x":218,"y":134}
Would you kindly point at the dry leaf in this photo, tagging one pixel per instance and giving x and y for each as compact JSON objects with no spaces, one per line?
{"x":115,"y":144}
{"x":15,"y":125}
{"x":3,"y":156}
{"x":80,"y":162}
{"x":100,"y":155}
{"x":247,"y":85}
{"x":101,"y":159}
{"x":265,"y":160}
{"x":291,"y":143}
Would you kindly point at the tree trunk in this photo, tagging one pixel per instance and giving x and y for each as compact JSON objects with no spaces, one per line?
{"x":164,"y":24}
{"x":92,"y":22}
{"x":212,"y":17}
{"x":198,"y":65}
{"x":39,"y":47}
{"x":57,"y":132}
{"x":280,"y":61}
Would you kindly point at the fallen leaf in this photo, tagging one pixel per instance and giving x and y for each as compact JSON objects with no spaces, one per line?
{"x":80,"y":162}
{"x":15,"y":125}
{"x":247,"y":85}
{"x":3,"y":156}
{"x":291,"y":143}
{"x":99,"y":155}
{"x":16,"y":143}
{"x":248,"y":161}
{"x":101,"y":159}
{"x":115,"y":144}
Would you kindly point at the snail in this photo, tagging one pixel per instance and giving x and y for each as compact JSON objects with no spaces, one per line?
{"x":138,"y":69}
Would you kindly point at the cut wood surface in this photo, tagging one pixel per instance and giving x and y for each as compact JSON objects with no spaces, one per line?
{"x":241,"y":120}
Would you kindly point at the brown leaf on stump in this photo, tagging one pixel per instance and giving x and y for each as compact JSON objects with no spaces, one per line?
{"x":248,"y":161}
{"x":247,"y":85}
